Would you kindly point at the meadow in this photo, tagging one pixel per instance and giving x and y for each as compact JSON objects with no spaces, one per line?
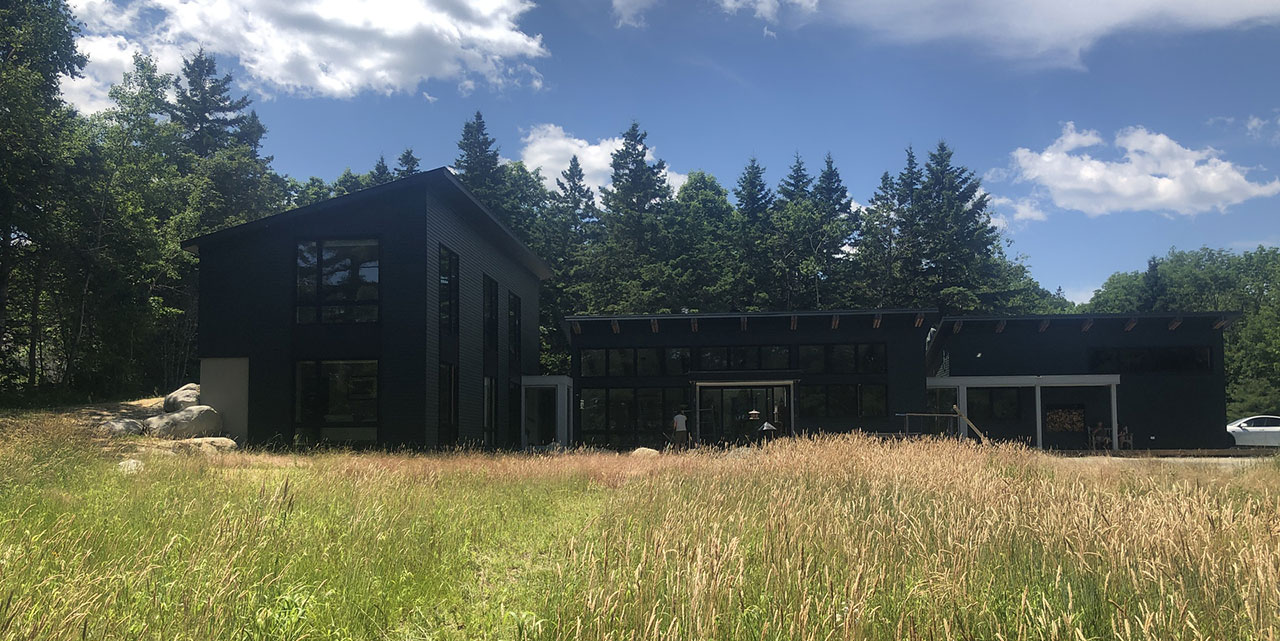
{"x":841,"y":537}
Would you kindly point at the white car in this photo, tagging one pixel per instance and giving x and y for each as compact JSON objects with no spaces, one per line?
{"x":1256,"y":431}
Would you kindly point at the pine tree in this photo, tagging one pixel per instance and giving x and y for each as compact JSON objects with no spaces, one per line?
{"x":381,"y":174}
{"x":795,"y":187}
{"x":250,"y":132}
{"x":407,"y":163}
{"x":754,"y":197}
{"x":478,"y":160}
{"x":205,"y":109}
{"x":829,"y":192}
{"x":577,"y":201}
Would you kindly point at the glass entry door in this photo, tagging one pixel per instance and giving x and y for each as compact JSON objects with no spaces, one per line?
{"x":739,"y":414}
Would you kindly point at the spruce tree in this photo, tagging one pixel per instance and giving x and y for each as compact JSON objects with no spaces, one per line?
{"x":381,"y":174}
{"x":407,"y":163}
{"x":205,"y":109}
{"x":829,"y":192}
{"x":795,"y":187}
{"x":753,"y":196}
{"x":477,"y":160}
{"x":348,"y":183}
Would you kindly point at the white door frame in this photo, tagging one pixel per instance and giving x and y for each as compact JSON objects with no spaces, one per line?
{"x":963,"y":383}
{"x":697,"y":399}
{"x":564,"y":396}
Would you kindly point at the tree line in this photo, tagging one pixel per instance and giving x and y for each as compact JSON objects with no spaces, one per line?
{"x":97,"y":299}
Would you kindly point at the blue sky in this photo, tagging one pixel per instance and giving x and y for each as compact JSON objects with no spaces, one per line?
{"x":1106,"y":132}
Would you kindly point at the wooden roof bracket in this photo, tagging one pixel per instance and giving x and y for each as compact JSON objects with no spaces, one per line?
{"x":614,"y":325}
{"x":875,"y":324}
{"x":742,"y":323}
{"x":653,"y":325}
{"x":693,"y":325}
{"x":1222,"y":323}
{"x":794,"y":319}
{"x":835,"y":321}
{"x":1086,"y":325}
{"x":1000,"y":327}
{"x":1132,"y":323}
{"x":955,"y":327}
{"x":1173,"y":324}
{"x":1044,"y":324}
{"x":577,"y":329}
{"x":919,"y":320}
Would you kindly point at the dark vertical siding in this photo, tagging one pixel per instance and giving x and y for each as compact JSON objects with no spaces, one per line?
{"x":247,"y":309}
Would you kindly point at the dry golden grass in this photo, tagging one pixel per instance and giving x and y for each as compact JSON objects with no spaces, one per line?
{"x":832,"y":538}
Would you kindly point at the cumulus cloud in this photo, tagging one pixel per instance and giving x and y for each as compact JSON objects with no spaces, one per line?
{"x":1024,"y":209}
{"x":1042,"y":31}
{"x":312,"y":47}
{"x":550,"y":147}
{"x":631,"y":12}
{"x":1155,"y":173}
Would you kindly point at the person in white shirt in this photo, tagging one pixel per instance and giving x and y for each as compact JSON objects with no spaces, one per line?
{"x":680,"y":424}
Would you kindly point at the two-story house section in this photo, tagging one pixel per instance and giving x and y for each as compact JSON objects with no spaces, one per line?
{"x":402,"y":314}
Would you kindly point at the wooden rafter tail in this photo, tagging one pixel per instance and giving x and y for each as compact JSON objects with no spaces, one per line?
{"x":1044,"y":325}
{"x":794,"y":319}
{"x":653,"y":325}
{"x":577,"y":329}
{"x":875,"y":324}
{"x":955,"y":326}
{"x":742,"y":323}
{"x":835,"y":321}
{"x":1086,"y":325}
{"x":693,"y":325}
{"x":1132,"y":323}
{"x":614,"y":325}
{"x":1175,"y":323}
{"x":1000,"y":326}
{"x":919,"y":320}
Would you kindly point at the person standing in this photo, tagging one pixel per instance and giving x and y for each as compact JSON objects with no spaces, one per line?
{"x":680,"y":425}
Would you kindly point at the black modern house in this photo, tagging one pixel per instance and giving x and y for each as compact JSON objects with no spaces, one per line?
{"x":1086,"y":381}
{"x":402,"y":314}
{"x":733,"y":373}
{"x":407,"y":314}
{"x":1069,"y":382}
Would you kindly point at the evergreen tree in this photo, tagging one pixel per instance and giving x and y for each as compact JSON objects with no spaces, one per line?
{"x":250,"y":132}
{"x":829,"y":193}
{"x":795,"y":187}
{"x":477,"y":160}
{"x":310,"y":192}
{"x":348,"y":183}
{"x":407,"y":163}
{"x":381,"y":174}
{"x":205,"y":109}
{"x":754,"y":198}
{"x":575,"y":198}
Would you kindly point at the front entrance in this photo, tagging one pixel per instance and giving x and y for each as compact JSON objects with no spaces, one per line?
{"x":741,"y":413}
{"x":545,"y":411}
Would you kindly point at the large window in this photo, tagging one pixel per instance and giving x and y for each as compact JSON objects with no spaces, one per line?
{"x":622,"y":362}
{"x":591,"y":362}
{"x":337,"y":281}
{"x":993,"y":403}
{"x":448,"y":293}
{"x":843,"y":403}
{"x":513,"y":335}
{"x":861,"y":358}
{"x":626,"y":416}
{"x":649,"y":361}
{"x":677,"y":361}
{"x":336,"y":393}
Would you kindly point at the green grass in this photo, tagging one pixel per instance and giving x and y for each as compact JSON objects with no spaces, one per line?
{"x":826,"y":539}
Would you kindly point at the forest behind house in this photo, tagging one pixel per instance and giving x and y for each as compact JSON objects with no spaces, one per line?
{"x":98,"y":300}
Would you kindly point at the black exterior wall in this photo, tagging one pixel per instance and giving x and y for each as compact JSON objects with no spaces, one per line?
{"x":902,"y":334}
{"x":247,"y":306}
{"x":1172,"y":389}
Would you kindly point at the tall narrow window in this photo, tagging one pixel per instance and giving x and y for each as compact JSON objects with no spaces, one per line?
{"x":490,"y":411}
{"x":448,"y":407}
{"x":514,"y":330}
{"x":490,"y":316}
{"x":448,"y":292}
{"x":337,"y":281}
{"x":335,"y":394}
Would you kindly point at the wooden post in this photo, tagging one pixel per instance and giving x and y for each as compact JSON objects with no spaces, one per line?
{"x":973,"y":427}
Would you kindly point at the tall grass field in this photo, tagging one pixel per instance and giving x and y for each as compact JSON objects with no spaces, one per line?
{"x":841,"y":537}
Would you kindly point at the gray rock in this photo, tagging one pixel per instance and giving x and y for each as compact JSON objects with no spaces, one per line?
{"x":123,"y":427}
{"x":129,"y":466}
{"x":204,"y":445}
{"x":182,"y":398}
{"x":644,"y":452}
{"x":192,"y":422}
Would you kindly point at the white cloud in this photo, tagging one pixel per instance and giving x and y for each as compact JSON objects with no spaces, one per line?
{"x":333,"y":48}
{"x":1040,"y":31}
{"x":631,"y":12}
{"x":1024,"y":209}
{"x":1155,"y":174}
{"x":550,"y":147}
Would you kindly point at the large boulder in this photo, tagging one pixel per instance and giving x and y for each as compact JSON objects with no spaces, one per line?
{"x":182,"y":398}
{"x":644,"y":452}
{"x":192,"y":422}
{"x":204,"y":445}
{"x":122,"y":427}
